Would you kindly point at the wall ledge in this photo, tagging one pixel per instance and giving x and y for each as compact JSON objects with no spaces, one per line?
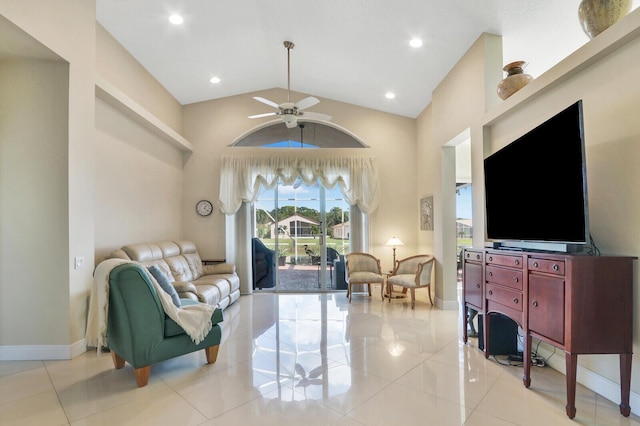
{"x":607,"y":42}
{"x":123,"y":103}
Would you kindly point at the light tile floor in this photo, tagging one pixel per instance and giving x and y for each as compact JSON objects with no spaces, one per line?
{"x":308,"y":359}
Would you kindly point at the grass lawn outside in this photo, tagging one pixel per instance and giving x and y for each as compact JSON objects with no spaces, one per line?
{"x":287,"y":245}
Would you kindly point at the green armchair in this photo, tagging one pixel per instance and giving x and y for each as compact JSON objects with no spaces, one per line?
{"x":138,"y":330}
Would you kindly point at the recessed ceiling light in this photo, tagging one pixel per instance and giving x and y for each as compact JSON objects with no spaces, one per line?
{"x":416,"y":42}
{"x":390,"y":95}
{"x":215,"y":80}
{"x":176,"y":19}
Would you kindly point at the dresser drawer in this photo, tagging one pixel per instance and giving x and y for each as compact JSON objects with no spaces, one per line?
{"x":504,"y":276}
{"x":473,"y":256}
{"x":546,"y":265}
{"x":504,"y":296}
{"x":504,"y":260}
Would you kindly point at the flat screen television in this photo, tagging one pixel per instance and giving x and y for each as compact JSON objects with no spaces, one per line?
{"x":536,"y":187}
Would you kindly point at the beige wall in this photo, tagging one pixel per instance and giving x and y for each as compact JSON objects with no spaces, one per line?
{"x":426,"y":177}
{"x":611,"y":128}
{"x":143,"y":200}
{"x":214,"y":125}
{"x":139,"y":184}
{"x":458,"y":105}
{"x":34,"y":96}
{"x":52,"y":27}
{"x":118,"y":67}
{"x":611,"y":102}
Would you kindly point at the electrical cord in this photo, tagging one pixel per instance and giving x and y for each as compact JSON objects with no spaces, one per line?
{"x":517,"y":361}
{"x":592,"y":249}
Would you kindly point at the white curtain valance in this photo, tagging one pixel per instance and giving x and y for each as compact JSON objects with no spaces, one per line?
{"x":242,"y":177}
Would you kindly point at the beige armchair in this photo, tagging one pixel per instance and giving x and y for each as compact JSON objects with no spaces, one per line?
{"x":412,"y":273}
{"x":363,"y":268}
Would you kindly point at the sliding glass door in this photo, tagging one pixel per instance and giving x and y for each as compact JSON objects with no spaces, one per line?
{"x":307,"y":227}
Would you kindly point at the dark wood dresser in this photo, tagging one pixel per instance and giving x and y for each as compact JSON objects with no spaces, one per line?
{"x":580,"y":304}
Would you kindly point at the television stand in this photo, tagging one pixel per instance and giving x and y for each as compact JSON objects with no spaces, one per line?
{"x":570,"y":301}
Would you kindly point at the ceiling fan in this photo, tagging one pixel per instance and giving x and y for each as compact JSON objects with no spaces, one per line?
{"x":290,"y":111}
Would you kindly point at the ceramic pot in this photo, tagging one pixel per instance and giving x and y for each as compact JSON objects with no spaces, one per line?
{"x":597,"y":15}
{"x":515,"y":80}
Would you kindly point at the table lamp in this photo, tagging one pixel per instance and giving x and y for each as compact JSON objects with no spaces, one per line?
{"x":394,"y":242}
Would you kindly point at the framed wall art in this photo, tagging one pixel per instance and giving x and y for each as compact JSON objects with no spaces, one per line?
{"x":426,"y":214}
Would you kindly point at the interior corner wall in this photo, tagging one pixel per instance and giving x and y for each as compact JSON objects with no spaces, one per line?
{"x":458,"y":103}
{"x":139,"y":184}
{"x":212,"y":126}
{"x":67,"y":29}
{"x":425,"y":177}
{"x":34,"y":116}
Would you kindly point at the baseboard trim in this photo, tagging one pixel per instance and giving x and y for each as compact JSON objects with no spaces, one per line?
{"x":42,"y":352}
{"x":597,"y":383}
{"x":447,"y":305}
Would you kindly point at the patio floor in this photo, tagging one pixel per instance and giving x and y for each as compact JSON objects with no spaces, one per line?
{"x":300,"y":278}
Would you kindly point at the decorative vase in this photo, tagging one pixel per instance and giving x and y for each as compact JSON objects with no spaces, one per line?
{"x":515,"y":80}
{"x":598,"y":15}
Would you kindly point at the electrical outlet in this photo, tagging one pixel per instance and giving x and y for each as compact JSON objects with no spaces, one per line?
{"x":78,"y":262}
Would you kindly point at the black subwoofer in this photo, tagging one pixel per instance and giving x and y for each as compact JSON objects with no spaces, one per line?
{"x":503,"y":336}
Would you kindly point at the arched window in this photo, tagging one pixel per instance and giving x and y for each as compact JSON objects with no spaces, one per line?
{"x":306,"y":135}
{"x":322,"y":162}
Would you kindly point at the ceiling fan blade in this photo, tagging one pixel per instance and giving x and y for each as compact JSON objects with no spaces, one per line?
{"x":315,"y":115}
{"x":307,"y":102}
{"x":266,"y":101}
{"x":266,"y":114}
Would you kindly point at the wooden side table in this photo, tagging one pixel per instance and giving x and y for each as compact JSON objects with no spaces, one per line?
{"x":213,"y":261}
{"x":389,"y":289}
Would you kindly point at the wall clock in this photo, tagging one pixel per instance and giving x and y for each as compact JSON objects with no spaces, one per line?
{"x":204,"y":207}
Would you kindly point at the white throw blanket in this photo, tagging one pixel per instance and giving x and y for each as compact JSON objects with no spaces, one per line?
{"x":194,"y":319}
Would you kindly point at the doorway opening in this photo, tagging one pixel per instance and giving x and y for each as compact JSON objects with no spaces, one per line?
{"x":464,"y":220}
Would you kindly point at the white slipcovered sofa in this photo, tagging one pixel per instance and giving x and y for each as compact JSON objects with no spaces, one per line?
{"x":217,"y":285}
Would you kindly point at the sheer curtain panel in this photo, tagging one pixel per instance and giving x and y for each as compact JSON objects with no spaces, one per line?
{"x":242,"y":177}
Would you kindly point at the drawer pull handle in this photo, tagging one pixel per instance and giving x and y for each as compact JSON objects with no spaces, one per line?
{"x":535,"y":264}
{"x":490,"y":258}
{"x":478,"y":285}
{"x":490,"y":273}
{"x":517,"y":262}
{"x":515,"y":300}
{"x":515,"y":279}
{"x":535,"y":303}
{"x":490,"y":292}
{"x":556,"y":267}
{"x":477,"y":256}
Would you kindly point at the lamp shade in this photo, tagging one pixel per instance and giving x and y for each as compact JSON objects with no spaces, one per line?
{"x":394,"y":242}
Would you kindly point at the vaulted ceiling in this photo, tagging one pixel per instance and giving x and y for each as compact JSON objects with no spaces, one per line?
{"x":353,"y":51}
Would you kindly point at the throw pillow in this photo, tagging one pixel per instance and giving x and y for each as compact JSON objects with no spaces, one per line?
{"x":165,"y":284}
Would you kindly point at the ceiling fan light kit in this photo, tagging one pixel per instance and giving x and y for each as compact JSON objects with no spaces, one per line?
{"x":290,"y":111}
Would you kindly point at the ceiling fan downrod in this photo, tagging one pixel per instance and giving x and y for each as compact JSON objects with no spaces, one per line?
{"x":289,"y":45}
